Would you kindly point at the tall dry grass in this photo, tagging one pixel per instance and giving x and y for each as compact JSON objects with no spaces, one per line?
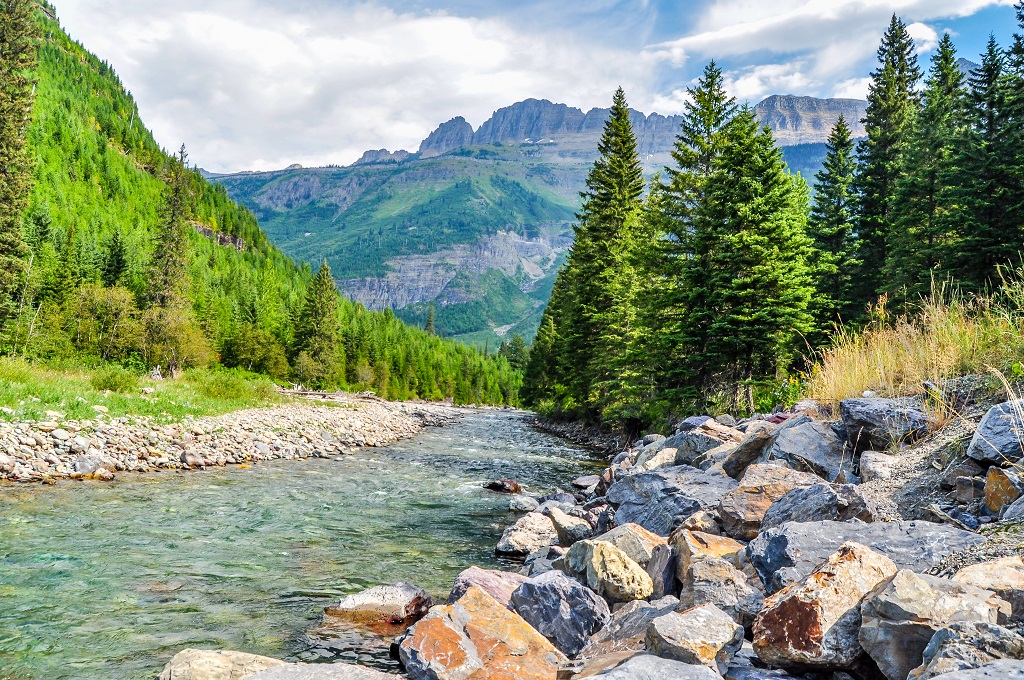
{"x":949,"y":335}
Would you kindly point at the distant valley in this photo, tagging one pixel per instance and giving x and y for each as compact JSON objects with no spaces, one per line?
{"x":476,"y":223}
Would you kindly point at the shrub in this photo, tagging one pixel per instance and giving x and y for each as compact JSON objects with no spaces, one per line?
{"x":114,"y":378}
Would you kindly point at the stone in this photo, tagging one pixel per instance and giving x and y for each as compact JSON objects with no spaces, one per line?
{"x":788,"y":553}
{"x":626,"y":630}
{"x":321,"y":671}
{"x":742,"y":509}
{"x":653,"y":438}
{"x":702,"y":636}
{"x":1014,"y":512}
{"x":879,"y":424}
{"x":192,"y":460}
{"x":498,"y":584}
{"x":654,"y":459}
{"x":815,"y":622}
{"x":662,"y":570}
{"x":1004,"y":577}
{"x":586,"y":482}
{"x":608,"y":571}
{"x":692,"y":422}
{"x":504,"y":486}
{"x":999,"y":438}
{"x":997,"y":670}
{"x":569,"y":529}
{"x":200,"y":664}
{"x":692,"y":546}
{"x":693,"y":445}
{"x":750,"y":449}
{"x":811,"y":446}
{"x":531,"y":532}
{"x":561,"y":609}
{"x":60,"y":435}
{"x":964,"y":645}
{"x":401,"y":604}
{"x":1002,"y":487}
{"x":660,"y":500}
{"x":648,"y":667}
{"x":969,"y":489}
{"x":902,"y":614}
{"x":876,"y":466}
{"x":100,"y":408}
{"x":476,"y":636}
{"x":967,"y":467}
{"x":634,"y":540}
{"x":88,"y":465}
{"x":520,"y":503}
{"x":704,"y":521}
{"x":819,"y":502}
{"x":712,"y":580}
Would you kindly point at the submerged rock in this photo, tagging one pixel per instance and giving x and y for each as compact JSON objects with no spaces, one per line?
{"x":398,"y":604}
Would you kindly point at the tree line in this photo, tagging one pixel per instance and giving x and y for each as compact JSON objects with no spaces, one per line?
{"x":711,"y":285}
{"x":103,"y":256}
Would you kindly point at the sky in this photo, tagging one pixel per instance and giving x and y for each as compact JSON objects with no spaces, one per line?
{"x":263,"y":84}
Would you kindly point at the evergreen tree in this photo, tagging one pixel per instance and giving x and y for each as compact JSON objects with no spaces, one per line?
{"x":922,"y":233}
{"x":515,"y":351}
{"x":68,"y":274}
{"x":18,"y":54}
{"x":115,"y":261}
{"x":316,"y":349}
{"x":430,"y":326}
{"x":831,"y":228}
{"x":167,"y":276}
{"x":892,"y":104}
{"x":542,"y":378}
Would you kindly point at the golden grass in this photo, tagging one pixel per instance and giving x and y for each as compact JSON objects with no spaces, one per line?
{"x":950,"y":335}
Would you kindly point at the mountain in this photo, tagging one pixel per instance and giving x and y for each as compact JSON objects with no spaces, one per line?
{"x":476,"y":223}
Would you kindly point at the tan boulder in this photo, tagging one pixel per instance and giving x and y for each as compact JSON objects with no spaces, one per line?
{"x":815,"y":622}
{"x":1004,"y":577}
{"x":477,"y":637}
{"x":702,"y":636}
{"x":692,"y":546}
{"x":742,"y":509}
{"x":607,"y":570}
{"x":387,"y":610}
{"x":703,"y":521}
{"x":654,"y":459}
{"x":200,"y":664}
{"x":635,"y":541}
{"x":569,"y":529}
{"x":530,"y":533}
{"x":712,"y":580}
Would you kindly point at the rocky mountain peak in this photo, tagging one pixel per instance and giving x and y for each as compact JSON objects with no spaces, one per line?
{"x":804,"y":120}
{"x":448,"y":136}
{"x":382,"y":156}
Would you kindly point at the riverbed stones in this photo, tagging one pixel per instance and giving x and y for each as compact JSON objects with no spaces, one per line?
{"x":569,"y":529}
{"x":999,"y":438}
{"x":392,"y":605}
{"x":530,"y":532}
{"x":784,"y":555}
{"x":561,"y":609}
{"x":810,"y":445}
{"x":320,"y":671}
{"x":712,"y":580}
{"x":660,"y":500}
{"x":1004,"y":577}
{"x":964,"y":645}
{"x":498,"y":584}
{"x":815,"y":622}
{"x":200,"y":664}
{"x":477,"y":636}
{"x":649,"y":667}
{"x":607,"y":570}
{"x":879,"y":424}
{"x":703,"y":636}
{"x":634,"y":540}
{"x":903,"y":613}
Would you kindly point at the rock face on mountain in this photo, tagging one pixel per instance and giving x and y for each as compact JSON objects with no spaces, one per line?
{"x":807,"y":120}
{"x":377,"y":156}
{"x":448,"y":136}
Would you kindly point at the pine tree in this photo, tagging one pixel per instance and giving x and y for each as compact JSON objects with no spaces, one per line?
{"x":430,"y":326}
{"x":516,"y":352}
{"x":168,"y":275}
{"x":317,"y":342}
{"x":543,"y":378}
{"x":921,"y":239}
{"x":19,"y":46}
{"x":115,"y":261}
{"x":892,"y":104}
{"x":68,"y":274}
{"x":831,"y":228}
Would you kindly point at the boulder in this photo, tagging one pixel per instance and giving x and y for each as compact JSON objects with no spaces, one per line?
{"x":504,"y":486}
{"x":997,"y":670}
{"x":521,"y":503}
{"x":742,"y":509}
{"x":902,"y":614}
{"x":401,"y":604}
{"x":815,"y":622}
{"x":967,"y":467}
{"x":498,"y":584}
{"x":811,"y":446}
{"x":816,"y":503}
{"x":561,"y":609}
{"x":1014,"y":512}
{"x":703,"y":635}
{"x":692,"y":546}
{"x":878,"y":424}
{"x":569,"y":528}
{"x":476,"y":636}
{"x":542,"y":560}
{"x":320,"y":671}
{"x":626,"y":630}
{"x":1002,"y":487}
{"x":712,"y":580}
{"x":1004,"y":577}
{"x":788,"y":553}
{"x":200,"y":664}
{"x":586,"y":482}
{"x":750,"y":449}
{"x":607,"y":570}
{"x":704,"y":521}
{"x":662,"y":570}
{"x":693,"y":445}
{"x":964,"y":645}
{"x":648,"y":667}
{"x":531,"y":532}
{"x":634,"y":540}
{"x":660,"y":500}
{"x":875,"y":466}
{"x":999,"y":438}
{"x":655,"y":458}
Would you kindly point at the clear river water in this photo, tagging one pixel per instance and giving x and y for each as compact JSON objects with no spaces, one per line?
{"x":108,"y":581}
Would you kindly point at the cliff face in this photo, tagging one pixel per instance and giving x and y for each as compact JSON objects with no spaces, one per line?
{"x":454,"y":134}
{"x":806,"y":120}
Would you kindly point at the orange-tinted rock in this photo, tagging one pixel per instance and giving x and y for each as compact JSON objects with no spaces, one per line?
{"x":634,"y":540}
{"x":692,"y":545}
{"x":743,"y":508}
{"x":1002,"y":487}
{"x":477,"y":638}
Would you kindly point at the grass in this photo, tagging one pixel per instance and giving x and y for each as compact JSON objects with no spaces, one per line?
{"x":28,"y":391}
{"x":948,"y":336}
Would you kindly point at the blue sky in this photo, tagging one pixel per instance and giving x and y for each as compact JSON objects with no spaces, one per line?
{"x":261,"y":84}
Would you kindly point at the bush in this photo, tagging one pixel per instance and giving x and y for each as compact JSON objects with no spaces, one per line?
{"x":115,"y":379}
{"x":232,"y":384}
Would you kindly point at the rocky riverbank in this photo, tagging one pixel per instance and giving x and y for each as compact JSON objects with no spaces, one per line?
{"x":103,"y":447}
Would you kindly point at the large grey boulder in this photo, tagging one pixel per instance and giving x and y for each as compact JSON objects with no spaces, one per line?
{"x":627,"y":627}
{"x":393,"y":604}
{"x":964,"y":645}
{"x":750,"y":449}
{"x":817,"y":503}
{"x":1000,"y":435}
{"x":201,"y":664}
{"x":498,"y":584}
{"x":530,"y":533}
{"x":703,"y":635}
{"x":901,"y":615}
{"x":648,"y":667}
{"x":320,"y":671}
{"x":693,"y":446}
{"x":661,"y":500}
{"x":562,"y":609}
{"x":811,"y":446}
{"x":787,"y":553}
{"x":712,"y":580}
{"x":878,"y":424}
{"x":997,"y":670}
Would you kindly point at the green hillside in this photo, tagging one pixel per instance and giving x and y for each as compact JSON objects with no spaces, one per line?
{"x":94,"y":216}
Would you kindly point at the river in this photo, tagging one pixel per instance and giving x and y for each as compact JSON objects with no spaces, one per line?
{"x":101,"y":581}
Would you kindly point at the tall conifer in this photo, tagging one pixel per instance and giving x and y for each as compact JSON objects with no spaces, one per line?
{"x":317,"y":343}
{"x":167,"y":276}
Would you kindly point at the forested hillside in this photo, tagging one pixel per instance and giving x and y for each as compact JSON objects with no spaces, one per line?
{"x":711,"y":289}
{"x":128,"y":255}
